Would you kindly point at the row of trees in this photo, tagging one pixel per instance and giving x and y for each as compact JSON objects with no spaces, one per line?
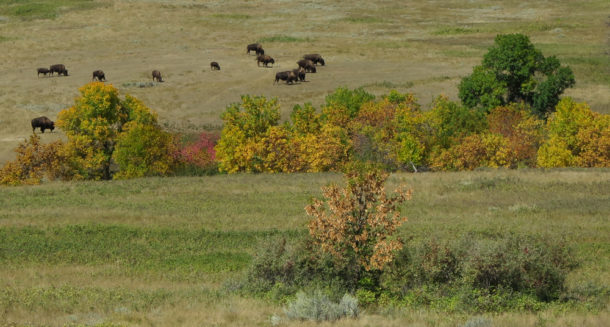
{"x":396,"y":134}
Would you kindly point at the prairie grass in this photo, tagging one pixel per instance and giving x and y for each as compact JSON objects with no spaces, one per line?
{"x":284,"y":39}
{"x":34,"y":9}
{"x":159,"y":250}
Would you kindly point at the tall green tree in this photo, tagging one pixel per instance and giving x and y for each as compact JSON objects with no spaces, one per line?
{"x":513,"y":70}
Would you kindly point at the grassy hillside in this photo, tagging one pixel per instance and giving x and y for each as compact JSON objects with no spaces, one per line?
{"x":158,"y":251}
{"x":424,"y":47}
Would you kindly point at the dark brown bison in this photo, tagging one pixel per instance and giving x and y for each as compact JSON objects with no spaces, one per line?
{"x":157,"y":75}
{"x":307,"y":65}
{"x":287,"y":76}
{"x":44,"y":71}
{"x":265,"y":59}
{"x":214,"y":65}
{"x":256,"y":47}
{"x":42,"y":122}
{"x":59,"y":69}
{"x":315,"y":58}
{"x":299,"y":73}
{"x":99,"y":74}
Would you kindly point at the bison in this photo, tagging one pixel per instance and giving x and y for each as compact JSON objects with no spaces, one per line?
{"x":59,"y":69}
{"x":287,"y":76}
{"x":300,"y":73}
{"x":315,"y":58}
{"x":307,"y":65}
{"x":44,"y":71}
{"x":214,"y":65}
{"x":256,"y":47}
{"x":265,"y":59}
{"x":99,"y":74}
{"x":157,"y":75}
{"x":42,"y":122}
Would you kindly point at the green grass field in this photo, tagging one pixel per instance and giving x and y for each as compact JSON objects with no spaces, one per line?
{"x":158,"y":251}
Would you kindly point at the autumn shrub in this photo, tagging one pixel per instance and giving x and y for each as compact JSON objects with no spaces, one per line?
{"x":245,"y":125}
{"x":34,"y":162}
{"x":379,"y":129}
{"x":576,"y":136}
{"x":143,"y":150}
{"x":197,"y":157}
{"x":357,"y":224}
{"x":521,"y":130}
{"x":473,"y":151}
{"x":351,"y":100}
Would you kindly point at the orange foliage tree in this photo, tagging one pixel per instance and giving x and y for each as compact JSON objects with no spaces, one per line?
{"x":357,"y":224}
{"x":34,"y":161}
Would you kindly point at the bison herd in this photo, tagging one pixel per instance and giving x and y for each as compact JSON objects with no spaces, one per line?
{"x":305,"y":65}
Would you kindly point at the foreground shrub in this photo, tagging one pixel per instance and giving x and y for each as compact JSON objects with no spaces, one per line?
{"x":356,"y":224}
{"x":318,"y":307}
{"x":527,"y":265}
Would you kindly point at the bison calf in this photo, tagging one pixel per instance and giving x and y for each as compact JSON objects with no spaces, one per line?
{"x":214,"y":65}
{"x":99,"y":75}
{"x":265,"y":59}
{"x":157,"y":75}
{"x":42,"y":122}
{"x":44,"y":71}
{"x":59,"y":69}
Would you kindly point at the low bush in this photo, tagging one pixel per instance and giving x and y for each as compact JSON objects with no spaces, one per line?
{"x":319,"y":307}
{"x":198,"y":157}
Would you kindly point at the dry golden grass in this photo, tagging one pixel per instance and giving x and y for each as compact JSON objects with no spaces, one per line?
{"x":423,"y":47}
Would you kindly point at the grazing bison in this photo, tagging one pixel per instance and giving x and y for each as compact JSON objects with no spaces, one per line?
{"x":315,"y":58}
{"x":256,"y":47}
{"x":214,"y":65}
{"x":157,"y":75}
{"x":287,"y":76}
{"x":307,"y":65}
{"x":300,"y":73}
{"x":265,"y":59}
{"x":44,"y":71}
{"x":42,"y":122}
{"x":99,"y":74}
{"x":59,"y":69}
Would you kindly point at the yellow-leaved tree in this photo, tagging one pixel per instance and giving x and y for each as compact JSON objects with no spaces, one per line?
{"x":576,"y":136}
{"x":104,"y":130}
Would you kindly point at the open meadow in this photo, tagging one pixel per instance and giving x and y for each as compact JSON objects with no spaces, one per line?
{"x":178,"y":251}
{"x":422,"y":47}
{"x":161,"y":251}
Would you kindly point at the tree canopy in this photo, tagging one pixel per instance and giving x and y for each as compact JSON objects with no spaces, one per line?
{"x":513,"y":70}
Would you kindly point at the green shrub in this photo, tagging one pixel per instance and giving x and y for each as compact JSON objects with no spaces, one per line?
{"x":521,"y":264}
{"x":318,"y":307}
